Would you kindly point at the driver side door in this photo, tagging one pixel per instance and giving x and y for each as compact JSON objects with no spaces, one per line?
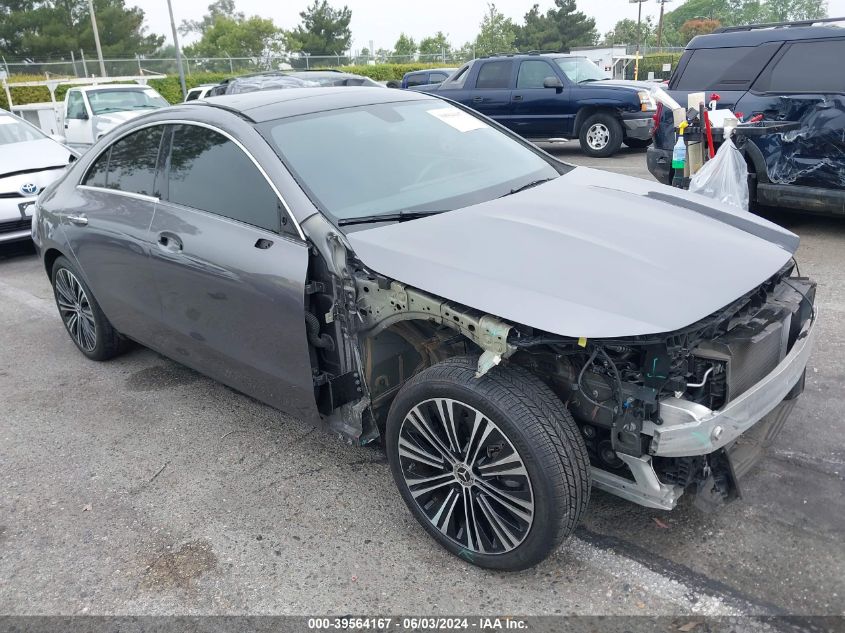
{"x":78,"y":128}
{"x":539,"y":112}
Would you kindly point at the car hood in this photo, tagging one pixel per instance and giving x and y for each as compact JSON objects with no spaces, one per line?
{"x":116,"y":118}
{"x":628,"y":83}
{"x":30,"y":155}
{"x":588,"y":254}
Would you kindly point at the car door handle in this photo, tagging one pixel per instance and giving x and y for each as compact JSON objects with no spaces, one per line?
{"x":170,"y":242}
{"x":79,"y":220}
{"x":517,"y":97}
{"x":477,"y":99}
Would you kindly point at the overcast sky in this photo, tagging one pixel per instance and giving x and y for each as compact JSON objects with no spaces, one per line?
{"x":381,"y":21}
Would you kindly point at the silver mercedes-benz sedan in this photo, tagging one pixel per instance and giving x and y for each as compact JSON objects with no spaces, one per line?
{"x":395,"y":267}
{"x":29,"y":161}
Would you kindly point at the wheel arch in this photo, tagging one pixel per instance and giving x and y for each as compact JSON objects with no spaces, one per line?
{"x":589,"y":110}
{"x":394,"y":354}
{"x":50,"y":257}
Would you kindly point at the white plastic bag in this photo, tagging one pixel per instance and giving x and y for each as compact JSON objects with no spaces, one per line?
{"x":725,"y":178}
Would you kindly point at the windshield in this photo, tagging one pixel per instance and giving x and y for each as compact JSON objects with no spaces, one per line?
{"x":14,"y":131}
{"x":580,"y":69}
{"x":409,"y":156}
{"x":104,"y":101}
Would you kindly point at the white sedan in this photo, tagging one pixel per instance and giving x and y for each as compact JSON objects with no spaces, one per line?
{"x":29,"y":161}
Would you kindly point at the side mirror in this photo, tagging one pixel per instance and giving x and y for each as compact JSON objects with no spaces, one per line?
{"x":84,"y":115}
{"x":552,"y":82}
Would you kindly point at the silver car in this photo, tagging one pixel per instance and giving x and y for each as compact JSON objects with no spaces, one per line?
{"x":29,"y":161}
{"x":394,"y":267}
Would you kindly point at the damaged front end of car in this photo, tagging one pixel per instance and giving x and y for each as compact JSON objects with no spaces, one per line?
{"x":685,"y":411}
{"x":690,"y":410}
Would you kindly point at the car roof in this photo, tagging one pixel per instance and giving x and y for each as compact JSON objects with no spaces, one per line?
{"x":761,"y":36}
{"x":320,"y":73}
{"x":431,"y":70}
{"x":268,"y":105}
{"x":532,"y":55}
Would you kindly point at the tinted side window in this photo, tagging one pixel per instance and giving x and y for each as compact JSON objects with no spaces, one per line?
{"x":808,"y":67}
{"x":457,"y":81}
{"x":133,"y":160}
{"x":417,"y":80}
{"x":532,"y":74}
{"x":707,"y":66}
{"x":193,"y":95}
{"x":209,"y":172}
{"x":436,"y":77}
{"x":494,"y":75}
{"x":97,"y":173}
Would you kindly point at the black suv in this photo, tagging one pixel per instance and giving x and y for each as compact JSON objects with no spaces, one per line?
{"x":784,"y":72}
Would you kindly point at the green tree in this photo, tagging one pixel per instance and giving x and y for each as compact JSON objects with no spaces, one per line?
{"x":785,"y":10}
{"x":436,"y":44}
{"x":732,"y":12}
{"x":324,"y":30}
{"x":237,"y":37}
{"x":47,"y":28}
{"x":497,"y":33}
{"x":405,"y":46}
{"x":561,"y":27}
{"x":625,"y":32}
{"x":694,"y":28}
{"x":217,"y":9}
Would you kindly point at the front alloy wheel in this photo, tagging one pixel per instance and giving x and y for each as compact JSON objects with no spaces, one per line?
{"x":601,"y":135}
{"x":493,"y":467}
{"x":465,"y":476}
{"x":598,"y":136}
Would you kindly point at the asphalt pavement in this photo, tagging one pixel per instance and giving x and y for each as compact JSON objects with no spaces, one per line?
{"x":140,"y":487}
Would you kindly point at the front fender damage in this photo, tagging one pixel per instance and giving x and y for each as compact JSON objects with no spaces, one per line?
{"x":382,"y":303}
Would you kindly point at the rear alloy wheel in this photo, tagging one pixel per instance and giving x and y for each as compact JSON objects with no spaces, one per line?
{"x":601,"y":135}
{"x":492,"y":467}
{"x":84,"y":321}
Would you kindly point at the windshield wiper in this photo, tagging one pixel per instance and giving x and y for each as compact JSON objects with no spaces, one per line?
{"x":529,"y":185}
{"x":400,"y":216}
{"x":583,"y":81}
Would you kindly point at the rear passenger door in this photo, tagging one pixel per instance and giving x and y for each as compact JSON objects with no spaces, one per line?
{"x":539,"y":112}
{"x":491,"y":94}
{"x":805,"y":83}
{"x":107,"y":227}
{"x":230,"y":270}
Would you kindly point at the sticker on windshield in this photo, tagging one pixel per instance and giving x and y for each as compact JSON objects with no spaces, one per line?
{"x":458,"y":119}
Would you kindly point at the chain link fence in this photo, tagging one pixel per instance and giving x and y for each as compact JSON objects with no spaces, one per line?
{"x":86,"y":65}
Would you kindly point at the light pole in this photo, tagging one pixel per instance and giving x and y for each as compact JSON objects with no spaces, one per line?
{"x":639,"y":4}
{"x":97,"y":38}
{"x":178,"y":52}
{"x":660,"y":23}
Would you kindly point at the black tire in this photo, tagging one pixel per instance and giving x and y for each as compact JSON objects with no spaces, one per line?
{"x":107,"y":342}
{"x":602,"y":124}
{"x":638,"y":143}
{"x":537,"y":429}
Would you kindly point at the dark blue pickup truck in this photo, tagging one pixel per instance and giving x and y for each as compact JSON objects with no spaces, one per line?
{"x":788,"y":72}
{"x":554,"y":97}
